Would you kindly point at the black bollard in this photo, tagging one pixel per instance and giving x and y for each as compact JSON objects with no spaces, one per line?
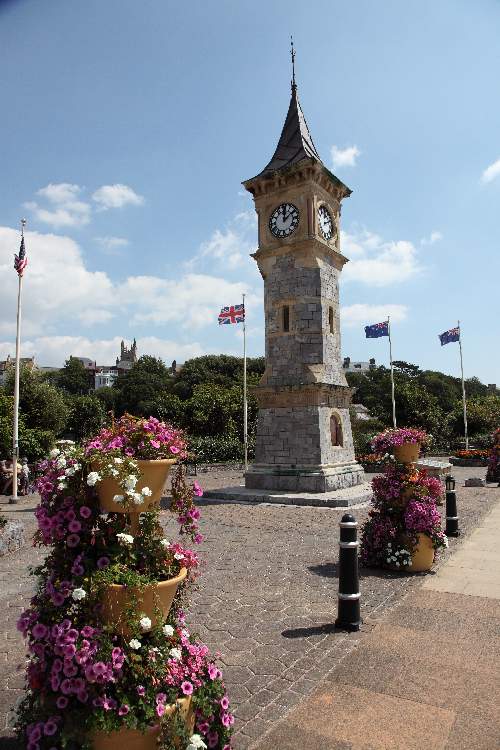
{"x":451,"y":508}
{"x":348,"y":616}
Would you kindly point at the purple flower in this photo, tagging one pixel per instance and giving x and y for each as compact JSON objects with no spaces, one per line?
{"x":123,"y":710}
{"x":74,"y":526}
{"x":39,"y":631}
{"x":141,"y":690}
{"x":73,"y":540}
{"x":62,"y":702}
{"x":50,"y":728}
{"x":85,"y":511}
{"x":103,"y":562}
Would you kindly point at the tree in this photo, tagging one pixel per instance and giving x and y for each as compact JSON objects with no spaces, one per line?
{"x":74,"y":378}
{"x":42,"y":405}
{"x":141,"y":385}
{"x":108,"y":397}
{"x":33,"y":443}
{"x":223,"y":369}
{"x":86,"y":417}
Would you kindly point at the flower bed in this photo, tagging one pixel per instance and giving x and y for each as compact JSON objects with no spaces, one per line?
{"x":386,"y":441}
{"x":472,"y":457}
{"x":493,"y":473}
{"x":86,"y":677}
{"x":403,"y":507}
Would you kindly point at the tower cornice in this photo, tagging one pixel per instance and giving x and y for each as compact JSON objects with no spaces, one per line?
{"x":305,"y":171}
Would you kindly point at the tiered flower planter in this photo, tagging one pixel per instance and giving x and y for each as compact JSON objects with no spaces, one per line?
{"x":404,"y":527}
{"x":112,"y":664}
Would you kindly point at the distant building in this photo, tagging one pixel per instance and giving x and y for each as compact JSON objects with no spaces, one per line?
{"x":105,"y":375}
{"x":349,"y":366}
{"x":361,"y":412}
{"x":8,"y":364}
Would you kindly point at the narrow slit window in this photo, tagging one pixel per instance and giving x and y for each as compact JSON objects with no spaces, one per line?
{"x":330,"y":319}
{"x":286,"y":318}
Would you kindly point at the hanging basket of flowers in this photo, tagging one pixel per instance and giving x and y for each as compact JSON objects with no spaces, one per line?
{"x":404,"y":442}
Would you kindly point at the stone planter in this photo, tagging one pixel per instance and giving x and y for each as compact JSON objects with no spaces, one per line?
{"x":407,"y":453}
{"x":153,"y":475}
{"x":422,"y":557}
{"x":133,"y":739}
{"x":154,"y":599}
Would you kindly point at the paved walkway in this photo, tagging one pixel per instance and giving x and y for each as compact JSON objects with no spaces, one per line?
{"x":266,"y":600}
{"x":424,"y":675}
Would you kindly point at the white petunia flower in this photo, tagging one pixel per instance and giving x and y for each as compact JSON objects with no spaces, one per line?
{"x":178,"y":556}
{"x":130,"y":482}
{"x":118,"y":498}
{"x":135,"y":644}
{"x":114,"y":472}
{"x":118,"y":460}
{"x":138,"y":498}
{"x":62,"y":486}
{"x":78,"y":594}
{"x":125,"y":538}
{"x":168,"y":630}
{"x":93,"y":478}
{"x":70,"y":471}
{"x":445,"y":540}
{"x":61,"y":462}
{"x":196,"y":743}
{"x":145,"y":623}
{"x":146,"y":492}
{"x":54,"y":452}
{"x":175,"y":653}
{"x":165,"y":543}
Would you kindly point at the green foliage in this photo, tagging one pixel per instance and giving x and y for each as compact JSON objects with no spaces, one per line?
{"x":34,"y":443}
{"x":219,"y":449}
{"x":483,"y":415}
{"x":42,"y":405}
{"x":108,"y":397}
{"x":140,"y":386}
{"x":86,"y":417}
{"x":222,"y":369}
{"x":74,"y":378}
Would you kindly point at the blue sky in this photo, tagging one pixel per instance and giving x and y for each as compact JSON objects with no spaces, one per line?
{"x":128,"y":127}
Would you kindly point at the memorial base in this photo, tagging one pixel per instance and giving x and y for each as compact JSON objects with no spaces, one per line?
{"x":343,"y":498}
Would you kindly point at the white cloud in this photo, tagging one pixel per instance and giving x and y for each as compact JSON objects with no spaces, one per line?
{"x":376,"y":262}
{"x":111,"y":245}
{"x":433,"y":237}
{"x":230,"y":247}
{"x":361,"y":314}
{"x":52,"y":351}
{"x":491,"y":172}
{"x":116,"y":196}
{"x":65,"y":209}
{"x":345,"y":157}
{"x":92,"y":316}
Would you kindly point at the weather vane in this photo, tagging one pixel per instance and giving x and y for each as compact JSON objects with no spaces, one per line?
{"x":292,"y":52}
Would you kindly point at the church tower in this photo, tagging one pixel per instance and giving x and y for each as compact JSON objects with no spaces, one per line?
{"x":304,"y":440}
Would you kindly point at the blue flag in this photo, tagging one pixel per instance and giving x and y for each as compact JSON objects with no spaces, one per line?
{"x":449,"y":336}
{"x":377,"y":330}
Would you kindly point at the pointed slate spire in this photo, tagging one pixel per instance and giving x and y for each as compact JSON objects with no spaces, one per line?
{"x":295,"y":143}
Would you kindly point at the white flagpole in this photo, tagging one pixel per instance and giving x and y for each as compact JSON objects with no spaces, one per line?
{"x":245,"y":408}
{"x":464,"y":400}
{"x":392,"y":374}
{"x":15,"y":430}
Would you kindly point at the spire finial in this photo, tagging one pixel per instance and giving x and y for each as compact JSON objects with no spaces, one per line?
{"x":292,"y":52}
{"x":23,"y":224}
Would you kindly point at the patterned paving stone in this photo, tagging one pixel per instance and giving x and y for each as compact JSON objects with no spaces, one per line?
{"x":266,"y":599}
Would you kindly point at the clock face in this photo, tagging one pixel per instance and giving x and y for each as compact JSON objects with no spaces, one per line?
{"x":284,"y":220}
{"x":326,"y":223}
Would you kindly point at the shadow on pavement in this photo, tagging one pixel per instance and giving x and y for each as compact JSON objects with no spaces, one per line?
{"x":327,"y":570}
{"x":306,"y":632}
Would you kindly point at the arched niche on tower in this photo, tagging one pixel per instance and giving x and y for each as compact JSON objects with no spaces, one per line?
{"x":336,"y":432}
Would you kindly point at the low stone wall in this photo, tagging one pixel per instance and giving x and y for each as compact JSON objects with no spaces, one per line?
{"x":469,"y":462}
{"x":12,"y":537}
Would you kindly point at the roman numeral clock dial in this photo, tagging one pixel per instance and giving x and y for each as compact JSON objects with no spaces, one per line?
{"x":284,"y":220}
{"x":326,"y":223}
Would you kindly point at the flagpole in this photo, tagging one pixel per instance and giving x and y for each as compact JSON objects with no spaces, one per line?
{"x":15,"y":430}
{"x":392,"y":374}
{"x":245,"y":407}
{"x":464,"y":400}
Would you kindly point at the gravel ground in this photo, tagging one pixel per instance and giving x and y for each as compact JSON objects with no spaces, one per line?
{"x":266,"y":598}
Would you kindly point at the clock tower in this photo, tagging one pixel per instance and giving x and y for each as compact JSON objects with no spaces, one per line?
{"x":303,"y":440}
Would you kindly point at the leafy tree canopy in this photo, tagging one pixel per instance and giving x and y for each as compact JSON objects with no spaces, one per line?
{"x":74,"y":378}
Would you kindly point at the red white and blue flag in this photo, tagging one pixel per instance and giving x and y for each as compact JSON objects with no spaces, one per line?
{"x":21,"y":260}
{"x":449,"y":336}
{"x":377,"y":329}
{"x":232,"y":314}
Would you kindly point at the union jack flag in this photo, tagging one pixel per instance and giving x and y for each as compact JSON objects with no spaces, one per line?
{"x":449,"y":336}
{"x":21,"y":260}
{"x":377,"y":329}
{"x":232,"y":314}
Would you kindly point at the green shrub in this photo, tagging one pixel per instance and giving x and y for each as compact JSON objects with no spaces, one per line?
{"x":218,"y":449}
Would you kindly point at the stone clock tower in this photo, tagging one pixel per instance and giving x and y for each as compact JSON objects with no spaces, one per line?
{"x":304,"y":440}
